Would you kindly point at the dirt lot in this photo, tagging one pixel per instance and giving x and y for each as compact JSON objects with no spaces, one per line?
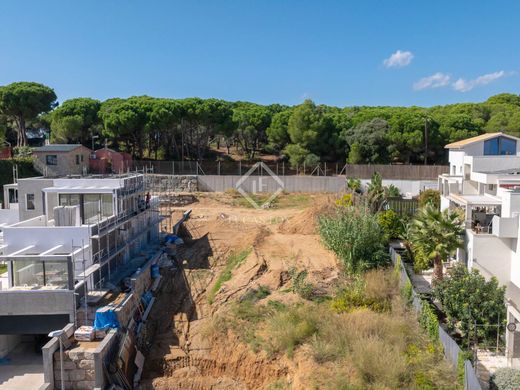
{"x":266,"y":244}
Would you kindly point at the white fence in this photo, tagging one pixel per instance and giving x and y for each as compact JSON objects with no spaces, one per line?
{"x":450,"y":347}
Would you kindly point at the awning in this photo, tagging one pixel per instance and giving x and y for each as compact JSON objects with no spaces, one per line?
{"x":475,"y":200}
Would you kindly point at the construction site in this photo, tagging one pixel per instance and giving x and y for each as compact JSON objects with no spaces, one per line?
{"x":268,"y":246}
{"x":138,"y":275}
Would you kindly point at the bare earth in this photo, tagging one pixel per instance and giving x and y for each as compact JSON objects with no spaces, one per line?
{"x":183,"y":354}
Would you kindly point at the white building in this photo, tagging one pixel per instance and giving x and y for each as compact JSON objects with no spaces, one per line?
{"x":71,"y":237}
{"x":484,"y":182}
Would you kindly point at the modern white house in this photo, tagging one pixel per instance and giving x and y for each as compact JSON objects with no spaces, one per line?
{"x":68,"y":238}
{"x":484,"y":182}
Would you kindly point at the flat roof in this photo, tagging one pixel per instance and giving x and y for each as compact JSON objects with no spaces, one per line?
{"x":81,"y":189}
{"x":483,"y":137}
{"x":476,"y":200}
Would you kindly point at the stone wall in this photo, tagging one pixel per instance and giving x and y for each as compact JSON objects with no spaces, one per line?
{"x":172,"y":183}
{"x":78,"y":367}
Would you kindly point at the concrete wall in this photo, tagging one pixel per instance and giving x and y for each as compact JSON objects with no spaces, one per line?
{"x":31,"y":186}
{"x":43,"y":302}
{"x":8,"y":342}
{"x":66,"y":164}
{"x":491,"y":253}
{"x":215,"y":183}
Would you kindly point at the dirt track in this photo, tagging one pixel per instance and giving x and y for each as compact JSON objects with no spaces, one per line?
{"x":182,"y":355}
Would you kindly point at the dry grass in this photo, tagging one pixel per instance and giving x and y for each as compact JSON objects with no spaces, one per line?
{"x":358,"y":349}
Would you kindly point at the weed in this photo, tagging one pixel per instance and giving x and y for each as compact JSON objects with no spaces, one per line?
{"x":233,"y":261}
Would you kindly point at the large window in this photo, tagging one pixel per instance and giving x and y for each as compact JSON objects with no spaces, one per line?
{"x":35,"y":273}
{"x":29,"y":201}
{"x":51,"y":159}
{"x":499,"y":146}
{"x":69,"y":199}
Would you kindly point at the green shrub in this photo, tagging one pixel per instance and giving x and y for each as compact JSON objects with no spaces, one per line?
{"x":430,"y":196}
{"x":300,"y":286}
{"x":290,"y":328}
{"x":467,"y":298}
{"x":505,"y":379}
{"x":461,"y":359}
{"x":407,"y":292}
{"x":391,"y":223}
{"x":375,"y":291}
{"x":356,"y":237}
{"x":428,"y":321}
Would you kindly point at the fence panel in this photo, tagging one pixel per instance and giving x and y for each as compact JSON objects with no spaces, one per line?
{"x":471,"y":381}
{"x":451,"y":348}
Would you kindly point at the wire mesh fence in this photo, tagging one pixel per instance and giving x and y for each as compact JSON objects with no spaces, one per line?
{"x":404,"y":172}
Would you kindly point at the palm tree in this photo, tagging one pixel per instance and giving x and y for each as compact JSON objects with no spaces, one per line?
{"x":437,"y":234}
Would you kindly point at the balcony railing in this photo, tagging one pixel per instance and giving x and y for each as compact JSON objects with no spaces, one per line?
{"x":479,"y":229}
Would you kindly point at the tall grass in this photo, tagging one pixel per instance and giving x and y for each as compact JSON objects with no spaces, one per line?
{"x":233,"y":261}
{"x":357,"y":349}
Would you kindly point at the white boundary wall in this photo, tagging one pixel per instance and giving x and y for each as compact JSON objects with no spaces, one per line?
{"x":215,"y":183}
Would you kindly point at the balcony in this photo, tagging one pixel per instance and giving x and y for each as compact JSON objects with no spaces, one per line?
{"x":505,"y":227}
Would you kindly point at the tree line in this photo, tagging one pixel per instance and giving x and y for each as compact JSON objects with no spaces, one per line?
{"x":191,"y":128}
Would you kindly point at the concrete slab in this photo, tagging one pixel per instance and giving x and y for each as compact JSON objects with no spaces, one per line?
{"x":23,"y":370}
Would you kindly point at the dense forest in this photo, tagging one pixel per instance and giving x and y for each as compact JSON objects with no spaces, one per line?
{"x":193,"y":128}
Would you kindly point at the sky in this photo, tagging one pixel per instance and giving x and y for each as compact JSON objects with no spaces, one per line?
{"x":342,"y":53}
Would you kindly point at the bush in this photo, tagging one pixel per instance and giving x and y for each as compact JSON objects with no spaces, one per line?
{"x":375,"y":291}
{"x":300,"y":285}
{"x":467,"y":298}
{"x":428,"y":321}
{"x":505,"y":379}
{"x":461,"y":368}
{"x":391,"y":223}
{"x":430,"y":196}
{"x":356,"y":237}
{"x":290,"y":328}
{"x":345,"y":201}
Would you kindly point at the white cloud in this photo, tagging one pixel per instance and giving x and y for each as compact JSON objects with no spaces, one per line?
{"x":398,"y":59}
{"x":463,"y":85}
{"x":434,"y":81}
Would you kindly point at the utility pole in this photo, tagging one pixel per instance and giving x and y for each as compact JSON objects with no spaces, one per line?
{"x":425,"y":140}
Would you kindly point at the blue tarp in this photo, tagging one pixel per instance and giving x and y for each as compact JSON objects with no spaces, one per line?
{"x":154,"y":270}
{"x":105,"y":319}
{"x":173,"y":239}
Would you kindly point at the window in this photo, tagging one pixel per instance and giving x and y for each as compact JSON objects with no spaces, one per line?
{"x":499,"y":146}
{"x":77,"y":159}
{"x":81,"y":158}
{"x":51,"y":159}
{"x":29,"y":204}
{"x":69,"y":199}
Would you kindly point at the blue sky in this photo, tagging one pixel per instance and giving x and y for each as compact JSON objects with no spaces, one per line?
{"x":265,"y":51}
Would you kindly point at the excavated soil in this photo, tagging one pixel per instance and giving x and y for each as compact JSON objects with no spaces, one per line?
{"x":182,"y":353}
